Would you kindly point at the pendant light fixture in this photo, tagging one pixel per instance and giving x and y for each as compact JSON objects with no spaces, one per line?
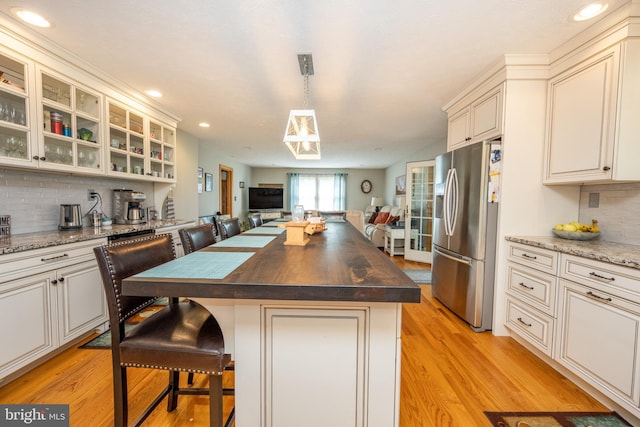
{"x":301,"y":135}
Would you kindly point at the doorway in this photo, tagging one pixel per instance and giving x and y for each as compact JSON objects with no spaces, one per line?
{"x":226,"y":190}
{"x":418,"y":218}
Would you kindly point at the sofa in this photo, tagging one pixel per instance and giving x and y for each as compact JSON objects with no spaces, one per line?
{"x":374,"y":229}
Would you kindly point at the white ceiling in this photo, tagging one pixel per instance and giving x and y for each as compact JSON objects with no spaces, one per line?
{"x":383,"y":68}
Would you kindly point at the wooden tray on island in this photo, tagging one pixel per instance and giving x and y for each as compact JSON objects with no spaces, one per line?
{"x":313,"y":228}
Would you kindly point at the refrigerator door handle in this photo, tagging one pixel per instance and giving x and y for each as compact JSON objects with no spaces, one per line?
{"x":446,"y":211}
{"x":461,"y":260}
{"x":454,"y":206}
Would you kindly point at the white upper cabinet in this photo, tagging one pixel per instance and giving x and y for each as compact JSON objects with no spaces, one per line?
{"x":592,"y":124}
{"x":478,"y":120}
{"x":54,"y":116}
{"x":16,"y":139}
{"x":71,"y":130}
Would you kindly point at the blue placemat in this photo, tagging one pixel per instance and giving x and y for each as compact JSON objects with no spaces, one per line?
{"x":274,"y":223}
{"x":242,"y":241}
{"x":197,"y":265}
{"x":263,"y":230}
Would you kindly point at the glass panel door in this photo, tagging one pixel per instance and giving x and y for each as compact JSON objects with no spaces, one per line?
{"x":418,"y":233}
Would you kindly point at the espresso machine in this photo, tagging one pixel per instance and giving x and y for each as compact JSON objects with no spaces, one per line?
{"x":128,"y":207}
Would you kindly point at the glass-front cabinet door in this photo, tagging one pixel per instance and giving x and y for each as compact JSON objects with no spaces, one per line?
{"x":162,"y":142}
{"x":418,"y":233}
{"x":15,"y":134}
{"x":71,"y":131}
{"x":127,"y":148}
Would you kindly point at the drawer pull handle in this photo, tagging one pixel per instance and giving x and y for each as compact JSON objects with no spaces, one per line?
{"x":528,"y":325}
{"x":53,"y":257}
{"x":598,"y":297}
{"x":525,"y":286}
{"x":597,"y":276}
{"x":529,"y":256}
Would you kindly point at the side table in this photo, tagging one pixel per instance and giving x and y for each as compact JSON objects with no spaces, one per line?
{"x":390,"y":236}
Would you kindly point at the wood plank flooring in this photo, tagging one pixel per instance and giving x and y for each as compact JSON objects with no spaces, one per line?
{"x":450,"y":375}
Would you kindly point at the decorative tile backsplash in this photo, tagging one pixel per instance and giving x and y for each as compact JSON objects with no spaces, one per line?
{"x":618,"y":211}
{"x":33,"y":199}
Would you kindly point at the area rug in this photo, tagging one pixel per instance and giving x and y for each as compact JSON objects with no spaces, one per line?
{"x":419,"y":276}
{"x":556,"y":419}
{"x":103,"y":341}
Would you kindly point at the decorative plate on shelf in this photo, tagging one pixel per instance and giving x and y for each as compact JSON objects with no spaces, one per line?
{"x":575,"y":235}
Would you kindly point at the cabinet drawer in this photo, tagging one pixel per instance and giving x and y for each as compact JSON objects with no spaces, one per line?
{"x":21,"y":264}
{"x":533,"y":287}
{"x":538,"y":258}
{"x":533,"y":326}
{"x":620,"y":281}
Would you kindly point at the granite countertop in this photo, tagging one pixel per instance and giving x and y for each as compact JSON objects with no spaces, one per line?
{"x":43,"y":239}
{"x":614,"y":253}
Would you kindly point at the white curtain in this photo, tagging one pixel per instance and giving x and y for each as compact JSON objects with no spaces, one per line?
{"x":318,"y":191}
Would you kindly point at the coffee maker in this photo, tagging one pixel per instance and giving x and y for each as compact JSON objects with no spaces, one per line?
{"x":128,"y":207}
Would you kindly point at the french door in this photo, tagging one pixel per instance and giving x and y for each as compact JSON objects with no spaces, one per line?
{"x":418,"y":232}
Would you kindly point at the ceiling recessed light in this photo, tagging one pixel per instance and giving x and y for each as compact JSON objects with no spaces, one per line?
{"x":31,"y":17}
{"x":204,"y":124}
{"x":154,"y":93}
{"x":589,"y":11}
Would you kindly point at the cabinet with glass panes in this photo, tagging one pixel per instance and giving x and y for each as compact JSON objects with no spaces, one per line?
{"x":162,"y":141}
{"x":127,"y":149}
{"x":71,"y":131}
{"x":15,"y":132}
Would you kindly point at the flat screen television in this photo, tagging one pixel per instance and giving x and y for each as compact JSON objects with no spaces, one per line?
{"x":266,"y":198}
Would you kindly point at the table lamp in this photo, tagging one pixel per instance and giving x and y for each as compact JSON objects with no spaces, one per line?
{"x":376,"y":202}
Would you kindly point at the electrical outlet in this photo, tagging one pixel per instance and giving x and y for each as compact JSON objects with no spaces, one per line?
{"x":91,"y":195}
{"x":594,"y":200}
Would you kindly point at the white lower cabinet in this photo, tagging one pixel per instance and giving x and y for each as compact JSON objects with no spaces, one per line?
{"x":26,"y":322}
{"x":582,"y":313}
{"x":48,"y":298}
{"x":81,"y":301}
{"x":531,"y":295}
{"x":598,"y":336}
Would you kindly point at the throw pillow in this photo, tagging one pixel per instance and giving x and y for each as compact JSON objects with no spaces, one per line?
{"x":381,"y":218}
{"x":373,"y":217}
{"x":392,"y":219}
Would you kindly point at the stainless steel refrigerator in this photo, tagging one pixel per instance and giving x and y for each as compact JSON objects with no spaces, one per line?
{"x":467,"y":193}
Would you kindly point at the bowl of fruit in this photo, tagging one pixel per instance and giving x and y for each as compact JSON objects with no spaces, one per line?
{"x":576,"y":231}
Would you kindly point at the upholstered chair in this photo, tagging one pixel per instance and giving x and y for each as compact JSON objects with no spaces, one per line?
{"x":255,"y":220}
{"x":182,"y":337}
{"x":196,"y":238}
{"x":229,"y":228}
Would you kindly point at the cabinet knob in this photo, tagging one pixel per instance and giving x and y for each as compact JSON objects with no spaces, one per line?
{"x":61,"y":279}
{"x":54,"y":282}
{"x":606,"y":168}
{"x":35,"y":157}
{"x":468,"y":138}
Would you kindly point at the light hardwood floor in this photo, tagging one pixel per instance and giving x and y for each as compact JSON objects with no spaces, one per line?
{"x":450,"y":375}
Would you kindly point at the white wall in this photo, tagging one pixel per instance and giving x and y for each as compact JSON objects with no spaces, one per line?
{"x":429,"y":152}
{"x":210,"y":160}
{"x":185,"y":192}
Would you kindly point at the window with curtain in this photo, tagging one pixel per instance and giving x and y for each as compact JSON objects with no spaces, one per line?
{"x":324,"y":192}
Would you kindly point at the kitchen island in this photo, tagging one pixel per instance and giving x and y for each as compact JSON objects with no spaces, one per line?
{"x":314,"y":330}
